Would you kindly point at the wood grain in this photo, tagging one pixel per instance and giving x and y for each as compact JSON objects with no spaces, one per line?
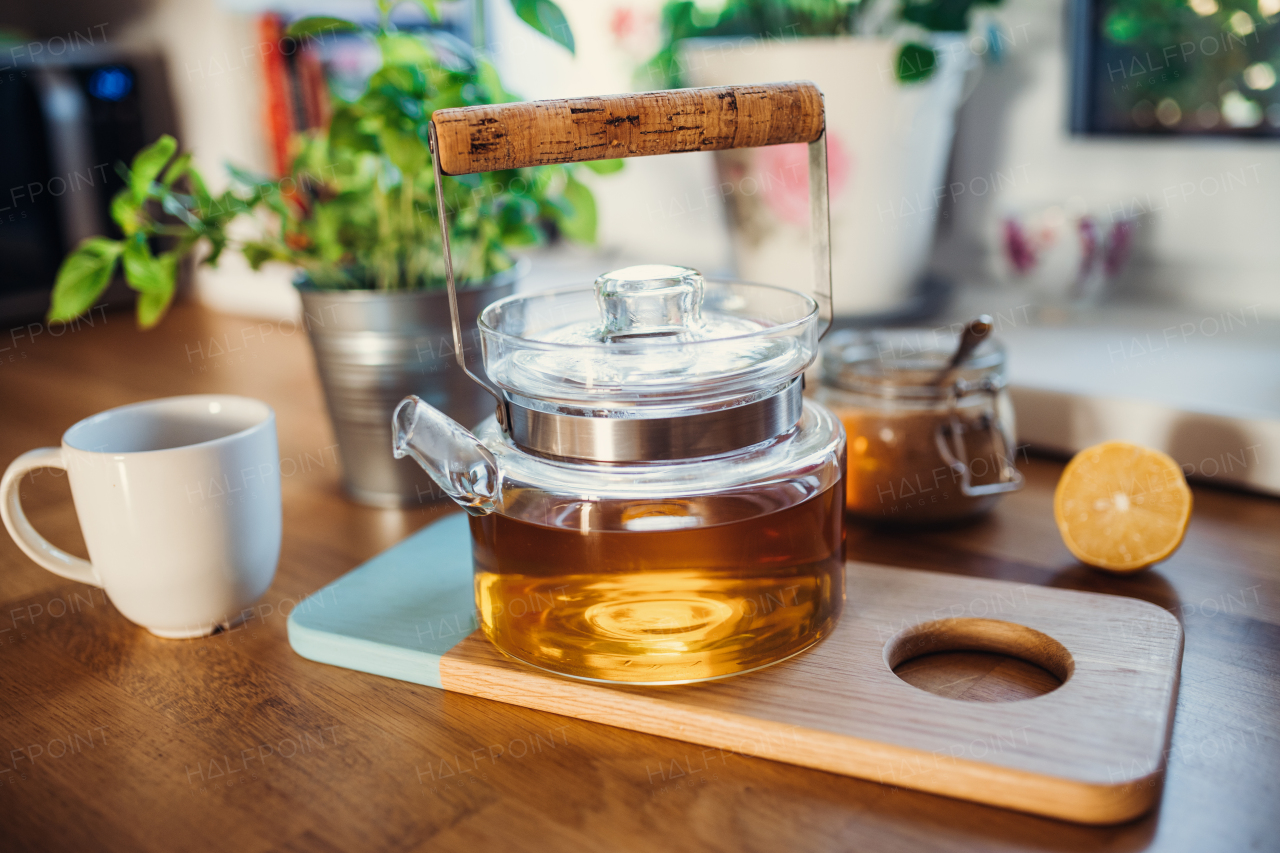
{"x":167,"y":705}
{"x":1091,"y":751}
{"x":535,"y":133}
{"x":977,"y":676}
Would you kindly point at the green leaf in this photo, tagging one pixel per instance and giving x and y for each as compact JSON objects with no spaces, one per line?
{"x":952,"y":16}
{"x":431,"y":7}
{"x":260,"y":185}
{"x":521,"y":235}
{"x":262,"y":189}
{"x":321,"y":25}
{"x":487,"y":77}
{"x":178,"y":168}
{"x":151,"y":307}
{"x":604,"y":167}
{"x":405,"y":49}
{"x":217,"y":244}
{"x":258,"y":253}
{"x":916,"y":62}
{"x":155,"y":279}
{"x":545,"y":17}
{"x":82,"y":277}
{"x":199,"y":189}
{"x":581,"y":226}
{"x":174,"y":206}
{"x":406,"y":150}
{"x":144,"y":271}
{"x":454,"y":53}
{"x":346,"y":135}
{"x":555,"y":207}
{"x":127,"y":212}
{"x":148,"y":163}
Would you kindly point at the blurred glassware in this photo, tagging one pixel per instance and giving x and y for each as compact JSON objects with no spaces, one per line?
{"x":1064,"y":254}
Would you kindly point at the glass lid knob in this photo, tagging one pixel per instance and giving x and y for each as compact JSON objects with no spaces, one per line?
{"x":650,"y":300}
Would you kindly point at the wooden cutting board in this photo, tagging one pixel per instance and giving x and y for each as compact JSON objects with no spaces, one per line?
{"x":1091,"y":751}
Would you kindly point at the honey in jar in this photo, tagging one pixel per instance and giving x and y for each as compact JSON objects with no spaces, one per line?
{"x":920,"y":452}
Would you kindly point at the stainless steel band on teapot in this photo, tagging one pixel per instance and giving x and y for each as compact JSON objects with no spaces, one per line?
{"x":655,"y":439}
{"x":468,"y":140}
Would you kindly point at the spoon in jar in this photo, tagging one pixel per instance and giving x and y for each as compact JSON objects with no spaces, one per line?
{"x":975,"y":332}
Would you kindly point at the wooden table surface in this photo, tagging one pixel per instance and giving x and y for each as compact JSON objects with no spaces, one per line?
{"x":114,"y":739}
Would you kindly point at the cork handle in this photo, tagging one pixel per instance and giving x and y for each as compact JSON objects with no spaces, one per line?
{"x":535,"y":133}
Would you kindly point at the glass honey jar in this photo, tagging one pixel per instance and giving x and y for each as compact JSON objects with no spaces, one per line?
{"x":926,"y":445}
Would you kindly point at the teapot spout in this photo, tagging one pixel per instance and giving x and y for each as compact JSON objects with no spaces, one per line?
{"x":456,"y":460}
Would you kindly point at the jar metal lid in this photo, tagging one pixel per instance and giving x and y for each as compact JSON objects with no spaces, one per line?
{"x":904,"y":363}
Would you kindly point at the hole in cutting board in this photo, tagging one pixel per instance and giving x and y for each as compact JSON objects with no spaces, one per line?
{"x":977,"y":676}
{"x":979,"y":660}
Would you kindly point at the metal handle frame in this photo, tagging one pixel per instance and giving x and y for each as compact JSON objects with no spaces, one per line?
{"x":503,"y":413}
{"x":949,"y":438}
{"x":819,"y":240}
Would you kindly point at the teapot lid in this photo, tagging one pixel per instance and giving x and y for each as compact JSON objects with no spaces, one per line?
{"x":645,"y":338}
{"x":652,"y":363}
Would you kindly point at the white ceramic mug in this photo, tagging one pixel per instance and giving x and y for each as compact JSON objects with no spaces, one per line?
{"x":179,"y":503}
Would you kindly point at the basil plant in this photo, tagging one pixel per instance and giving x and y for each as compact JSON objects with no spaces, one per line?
{"x":358,"y":207}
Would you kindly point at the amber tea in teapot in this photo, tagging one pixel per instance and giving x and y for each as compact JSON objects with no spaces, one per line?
{"x":653,"y":593}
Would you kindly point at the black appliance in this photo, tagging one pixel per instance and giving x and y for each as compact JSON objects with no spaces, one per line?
{"x":63,"y":129}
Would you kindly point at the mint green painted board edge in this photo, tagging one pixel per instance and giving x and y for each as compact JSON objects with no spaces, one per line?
{"x":397,"y":614}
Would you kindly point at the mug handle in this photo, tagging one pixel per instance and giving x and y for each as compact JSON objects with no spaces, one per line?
{"x":32,"y":543}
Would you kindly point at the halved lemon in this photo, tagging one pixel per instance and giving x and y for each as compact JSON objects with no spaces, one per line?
{"x":1122,"y":507}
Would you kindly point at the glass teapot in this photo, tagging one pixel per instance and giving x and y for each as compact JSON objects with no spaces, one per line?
{"x":654,"y":501}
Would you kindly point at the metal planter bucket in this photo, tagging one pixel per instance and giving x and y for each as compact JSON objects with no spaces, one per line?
{"x":372,"y":349}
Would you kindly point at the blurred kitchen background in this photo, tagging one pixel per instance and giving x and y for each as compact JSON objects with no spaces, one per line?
{"x":1101,"y":176}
